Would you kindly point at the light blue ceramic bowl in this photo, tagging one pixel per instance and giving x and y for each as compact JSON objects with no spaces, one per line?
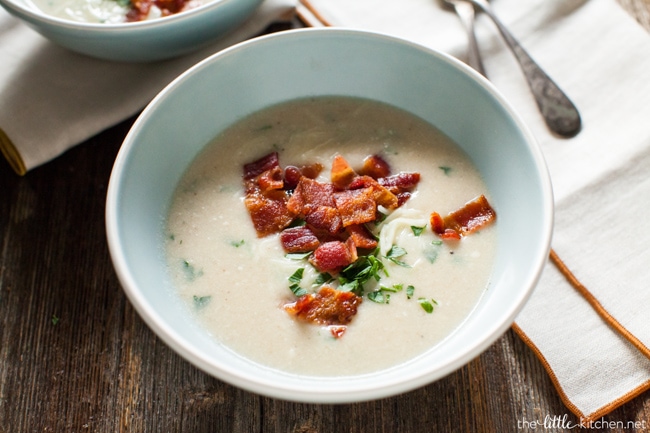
{"x":197,"y":106}
{"x":144,"y":41}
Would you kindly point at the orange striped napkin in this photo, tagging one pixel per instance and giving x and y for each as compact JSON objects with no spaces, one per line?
{"x":587,"y":319}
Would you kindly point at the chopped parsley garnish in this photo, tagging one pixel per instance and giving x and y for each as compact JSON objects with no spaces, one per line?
{"x":237,"y":244}
{"x":445,"y":169}
{"x":190,"y":271}
{"x":354,"y":276}
{"x":201,"y":301}
{"x":395,"y":253}
{"x":379,"y":297}
{"x":296,"y":277}
{"x":295,"y":280}
{"x":417,"y":231}
{"x":298,"y":256}
{"x":427,"y":304}
{"x":409,"y":291}
{"x":323,"y":278}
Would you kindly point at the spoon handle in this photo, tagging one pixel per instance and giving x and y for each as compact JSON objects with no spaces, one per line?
{"x":560,"y":114}
{"x":466,"y":13}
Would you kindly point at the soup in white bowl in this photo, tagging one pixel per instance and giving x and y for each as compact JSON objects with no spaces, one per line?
{"x":242,"y":280}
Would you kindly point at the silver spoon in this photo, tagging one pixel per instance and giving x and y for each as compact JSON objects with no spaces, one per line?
{"x":466,"y":13}
{"x":560,"y":114}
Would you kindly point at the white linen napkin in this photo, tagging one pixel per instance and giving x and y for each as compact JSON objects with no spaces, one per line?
{"x":52,"y":99}
{"x":587,"y":319}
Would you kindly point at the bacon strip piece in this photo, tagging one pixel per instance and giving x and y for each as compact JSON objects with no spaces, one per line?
{"x":268,"y":210}
{"x":375,"y":166}
{"x":327,"y":307}
{"x":356,"y":206}
{"x":299,"y":240}
{"x":361,"y":237}
{"x":474,"y":215}
{"x":341,"y":173}
{"x":333,"y":256}
{"x":255,"y":168}
{"x":381,"y":194}
{"x":314,"y":201}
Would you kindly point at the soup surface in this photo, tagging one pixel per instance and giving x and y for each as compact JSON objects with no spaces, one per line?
{"x":237,"y":283}
{"x":113,"y":11}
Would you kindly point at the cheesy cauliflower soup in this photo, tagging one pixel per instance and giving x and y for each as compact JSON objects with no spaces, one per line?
{"x":331,"y":236}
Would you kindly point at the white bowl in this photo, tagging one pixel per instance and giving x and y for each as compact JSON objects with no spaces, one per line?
{"x":212,"y":95}
{"x":143,"y":41}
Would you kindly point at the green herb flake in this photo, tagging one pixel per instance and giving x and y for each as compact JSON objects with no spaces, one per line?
{"x":354,"y":276}
{"x":201,"y":301}
{"x":298,"y":256}
{"x":297,"y":290}
{"x":393,"y":289}
{"x":395,"y":253}
{"x":237,"y":244}
{"x":190,"y":271}
{"x":427,"y":304}
{"x":417,"y":231}
{"x":55,"y":319}
{"x":323,"y":278}
{"x":296,"y":277}
{"x":379,"y":297}
{"x":409,"y":291}
{"x":445,"y":169}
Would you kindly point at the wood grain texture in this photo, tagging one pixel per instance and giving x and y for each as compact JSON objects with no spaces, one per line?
{"x":76,"y":357}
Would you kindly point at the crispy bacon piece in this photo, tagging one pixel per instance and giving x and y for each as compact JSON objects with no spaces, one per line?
{"x":271,"y":179}
{"x":400,"y":182}
{"x":356,"y":206}
{"x":342,"y":173}
{"x":471,"y":217}
{"x":375,"y":166}
{"x":268,"y":210}
{"x":361,"y":237}
{"x":327,"y":307}
{"x":337,"y":331}
{"x":474,"y":215}
{"x":255,"y":168}
{"x":314,"y":201}
{"x":292,"y":174}
{"x":299,"y":239}
{"x":332,"y":256}
{"x":381,"y":194}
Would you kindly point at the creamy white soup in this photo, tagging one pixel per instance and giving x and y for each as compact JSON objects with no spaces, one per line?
{"x":238,"y":283}
{"x":112,"y":11}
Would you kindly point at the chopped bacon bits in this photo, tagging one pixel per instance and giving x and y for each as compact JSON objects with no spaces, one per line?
{"x":375,"y":166}
{"x":255,"y":168}
{"x":341,"y":173}
{"x":356,"y":206}
{"x":298,"y":240}
{"x":271,"y":179}
{"x":268,"y":211}
{"x":314,"y":201}
{"x":400,"y":182}
{"x":361,"y":237}
{"x":333,"y":256}
{"x":140,"y":8}
{"x":327,"y":307}
{"x":337,"y":331}
{"x":472,"y":216}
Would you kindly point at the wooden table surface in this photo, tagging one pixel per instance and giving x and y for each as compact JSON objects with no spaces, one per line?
{"x":76,"y":357}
